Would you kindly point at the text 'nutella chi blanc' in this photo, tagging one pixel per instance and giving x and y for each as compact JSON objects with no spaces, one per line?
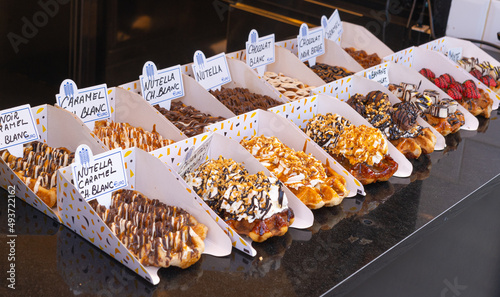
{"x":89,"y":104}
{"x":161,"y":86}
{"x":100,"y":174}
{"x":211,"y":72}
{"x":16,"y":128}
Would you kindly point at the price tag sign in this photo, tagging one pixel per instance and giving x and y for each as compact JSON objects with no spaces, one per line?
{"x":211,"y":73}
{"x":380,"y":75}
{"x":161,"y":86}
{"x":455,"y":54}
{"x":333,"y":27}
{"x":310,"y":43}
{"x":260,"y":51}
{"x":194,"y":158}
{"x":98,"y":175}
{"x":16,"y":128}
{"x":89,"y":104}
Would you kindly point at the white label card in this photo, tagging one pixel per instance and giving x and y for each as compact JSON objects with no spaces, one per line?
{"x":211,"y":72}
{"x":194,"y":158}
{"x":333,"y":27}
{"x":260,"y":50}
{"x":89,"y":104}
{"x":98,"y":175}
{"x":310,"y":43}
{"x":17,"y":127}
{"x":455,"y":54}
{"x":380,"y":75}
{"x":160,"y":86}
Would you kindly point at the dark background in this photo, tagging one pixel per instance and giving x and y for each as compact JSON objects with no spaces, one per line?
{"x":97,"y":41}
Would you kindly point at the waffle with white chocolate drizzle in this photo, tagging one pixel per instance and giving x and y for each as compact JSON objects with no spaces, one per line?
{"x":251,"y":204}
{"x":484,"y":72}
{"x":116,"y":135}
{"x":440,"y":113}
{"x":155,"y":233}
{"x":398,"y":123}
{"x":290,"y":87}
{"x":315,"y":184}
{"x":362,"y":150}
{"x":38,"y":167}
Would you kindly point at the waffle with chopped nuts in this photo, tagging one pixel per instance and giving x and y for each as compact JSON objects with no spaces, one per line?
{"x":251,"y":204}
{"x":315,"y":184}
{"x":361,"y":150}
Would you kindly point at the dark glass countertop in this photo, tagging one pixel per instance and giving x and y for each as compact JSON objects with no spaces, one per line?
{"x":349,"y":247}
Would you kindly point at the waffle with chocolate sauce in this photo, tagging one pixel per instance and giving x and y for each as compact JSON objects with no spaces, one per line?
{"x":251,"y":204}
{"x":116,"y":135}
{"x":363,"y":58}
{"x":362,"y":150}
{"x":398,"y":123}
{"x":155,"y":233}
{"x":188,"y":119}
{"x":441,"y":113}
{"x":241,"y":100}
{"x":483,"y":71}
{"x":329,"y":73}
{"x":38,"y":167}
{"x":314,"y":183}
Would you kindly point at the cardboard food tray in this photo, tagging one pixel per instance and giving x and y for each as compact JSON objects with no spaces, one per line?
{"x":301,"y":111}
{"x":334,"y":55}
{"x":174,"y":154}
{"x":418,"y":58}
{"x":469,"y":50}
{"x":242,"y":76}
{"x":362,"y":39}
{"x":57,"y":128}
{"x":259,"y":122}
{"x":399,"y":73}
{"x":131,"y":108}
{"x":155,"y":180}
{"x":194,"y":95}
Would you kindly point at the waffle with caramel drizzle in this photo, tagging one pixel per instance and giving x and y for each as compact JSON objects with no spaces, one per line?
{"x":115,"y":135}
{"x":361,"y":150}
{"x":155,"y":233}
{"x":315,"y":184}
{"x":38,"y":166}
{"x":251,"y":204}
{"x":398,"y":123}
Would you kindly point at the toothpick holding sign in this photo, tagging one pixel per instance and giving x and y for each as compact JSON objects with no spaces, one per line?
{"x":211,"y":72}
{"x":161,"y":86}
{"x":333,"y":27}
{"x":17,"y":127}
{"x":99,"y":175}
{"x":310,"y":43}
{"x":260,"y":51}
{"x":89,"y":104}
